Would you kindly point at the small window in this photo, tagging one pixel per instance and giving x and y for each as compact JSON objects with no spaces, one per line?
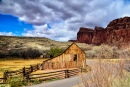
{"x":75,"y":57}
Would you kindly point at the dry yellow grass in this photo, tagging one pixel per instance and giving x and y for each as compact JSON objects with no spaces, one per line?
{"x":106,"y":73}
{"x":17,"y":64}
{"x":109,"y":60}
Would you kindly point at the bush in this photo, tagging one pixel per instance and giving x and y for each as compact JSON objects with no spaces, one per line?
{"x":90,"y":54}
{"x":27,"y":53}
{"x":4,"y":85}
{"x":35,"y":81}
{"x":103,"y":51}
{"x":30,"y":53}
{"x":53,"y":52}
{"x":19,"y":82}
{"x":14,"y":53}
{"x":16,"y":82}
{"x":2,"y":54}
{"x":105,"y":73}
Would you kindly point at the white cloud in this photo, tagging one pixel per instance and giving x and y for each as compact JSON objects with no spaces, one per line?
{"x":7,"y":33}
{"x":57,"y":32}
{"x":73,"y":14}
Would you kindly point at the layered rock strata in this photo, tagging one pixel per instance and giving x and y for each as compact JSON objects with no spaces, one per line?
{"x":117,"y":32}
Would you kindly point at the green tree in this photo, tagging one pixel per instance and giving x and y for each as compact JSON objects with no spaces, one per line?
{"x":53,"y":52}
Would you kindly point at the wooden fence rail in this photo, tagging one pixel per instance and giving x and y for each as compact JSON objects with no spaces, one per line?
{"x":25,"y":72}
{"x":1,"y":80}
{"x":21,"y":72}
{"x":53,"y":75}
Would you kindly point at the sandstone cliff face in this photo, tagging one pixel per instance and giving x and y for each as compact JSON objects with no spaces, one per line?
{"x":117,"y":32}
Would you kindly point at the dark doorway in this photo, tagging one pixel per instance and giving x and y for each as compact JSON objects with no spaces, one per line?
{"x":75,"y":57}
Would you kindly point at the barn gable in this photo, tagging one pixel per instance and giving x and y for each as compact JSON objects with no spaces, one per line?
{"x":73,"y":49}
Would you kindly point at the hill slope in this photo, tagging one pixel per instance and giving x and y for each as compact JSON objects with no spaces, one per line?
{"x":13,"y":42}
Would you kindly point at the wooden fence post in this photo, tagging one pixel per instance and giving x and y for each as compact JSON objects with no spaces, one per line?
{"x":66,"y":74}
{"x":24,"y":72}
{"x":37,"y":67}
{"x":5,"y":76}
{"x":27,"y":78}
{"x":41,"y":66}
{"x":81,"y":70}
{"x":31,"y":67}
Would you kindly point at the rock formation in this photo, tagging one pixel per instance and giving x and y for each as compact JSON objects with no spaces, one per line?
{"x":117,"y":32}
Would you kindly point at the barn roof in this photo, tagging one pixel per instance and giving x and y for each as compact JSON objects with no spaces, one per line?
{"x":83,"y":46}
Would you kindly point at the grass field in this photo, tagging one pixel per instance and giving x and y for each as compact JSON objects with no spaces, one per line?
{"x":17,"y":64}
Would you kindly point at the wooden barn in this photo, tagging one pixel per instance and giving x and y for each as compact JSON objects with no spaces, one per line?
{"x":72,"y":57}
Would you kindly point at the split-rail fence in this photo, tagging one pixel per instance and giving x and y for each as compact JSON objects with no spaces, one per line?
{"x":25,"y":72}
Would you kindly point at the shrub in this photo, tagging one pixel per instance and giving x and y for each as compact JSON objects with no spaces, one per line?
{"x":53,"y":52}
{"x":16,"y":82}
{"x":90,"y":54}
{"x":30,"y":53}
{"x":4,"y":85}
{"x":19,"y":82}
{"x":106,"y":74}
{"x":14,"y":53}
{"x":103,"y":51}
{"x":52,"y":79}
{"x":2,"y":54}
{"x":26,"y":53}
{"x":33,"y":82}
{"x":36,"y":81}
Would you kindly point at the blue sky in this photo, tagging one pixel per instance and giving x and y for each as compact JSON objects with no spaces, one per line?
{"x":9,"y":23}
{"x":55,"y":19}
{"x":126,"y":1}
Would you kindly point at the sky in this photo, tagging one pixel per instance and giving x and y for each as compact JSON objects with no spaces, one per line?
{"x":58,"y":20}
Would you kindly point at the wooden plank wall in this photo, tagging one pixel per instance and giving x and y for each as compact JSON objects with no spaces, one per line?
{"x":61,"y":65}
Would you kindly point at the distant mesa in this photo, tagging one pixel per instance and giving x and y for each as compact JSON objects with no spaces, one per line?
{"x":117,"y":32}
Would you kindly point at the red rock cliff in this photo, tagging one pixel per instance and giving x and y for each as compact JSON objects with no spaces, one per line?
{"x":117,"y":32}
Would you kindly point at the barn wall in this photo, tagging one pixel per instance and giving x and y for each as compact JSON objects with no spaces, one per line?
{"x":62,"y":58}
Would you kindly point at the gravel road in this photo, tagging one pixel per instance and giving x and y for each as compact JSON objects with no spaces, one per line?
{"x":69,"y":82}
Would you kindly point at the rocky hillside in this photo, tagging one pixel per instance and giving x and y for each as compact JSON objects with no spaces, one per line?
{"x":117,"y":32}
{"x":24,"y":47}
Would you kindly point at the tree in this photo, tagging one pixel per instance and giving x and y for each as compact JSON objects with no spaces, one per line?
{"x":25,"y":53}
{"x":53,"y":52}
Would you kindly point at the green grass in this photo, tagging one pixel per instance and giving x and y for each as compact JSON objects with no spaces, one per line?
{"x":52,"y":79}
